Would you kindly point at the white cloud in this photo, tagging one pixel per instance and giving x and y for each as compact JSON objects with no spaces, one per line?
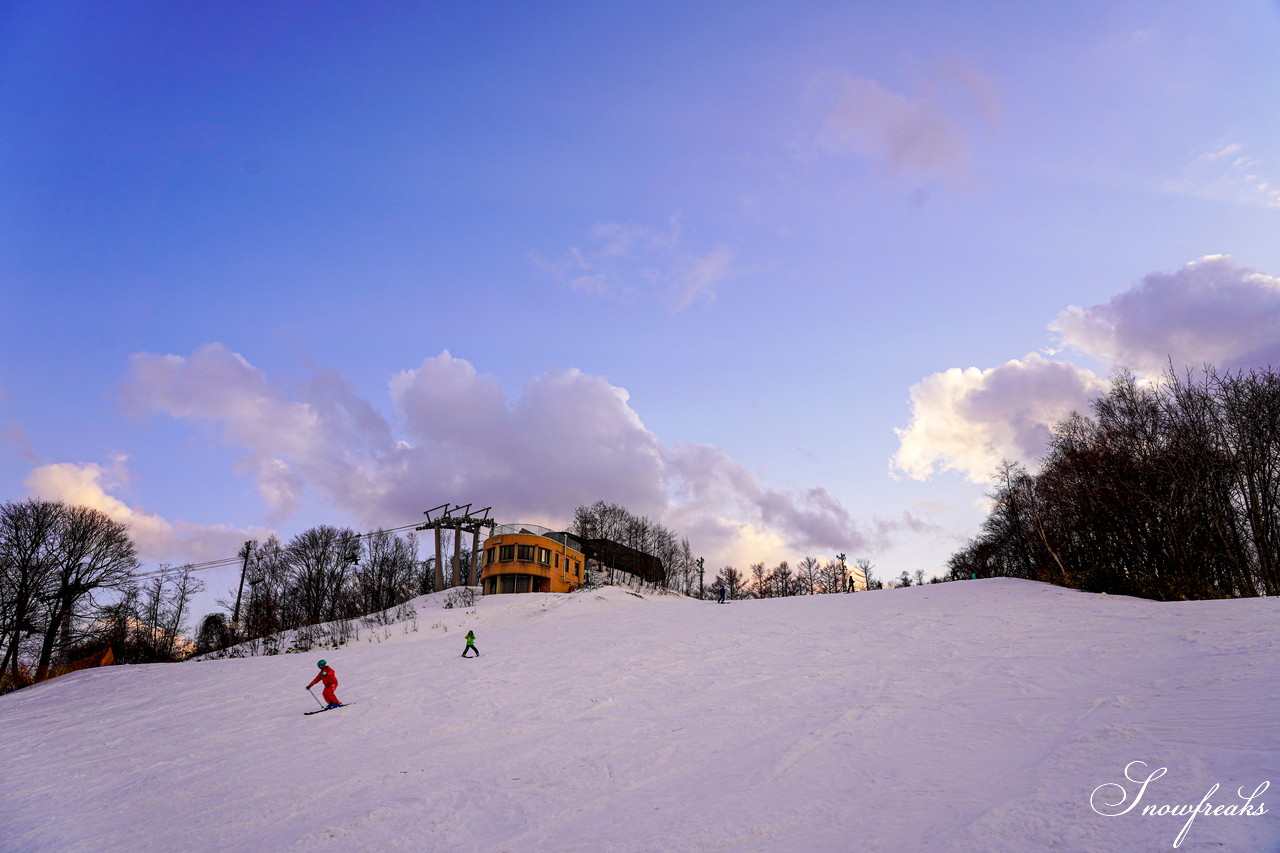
{"x":569,"y":438}
{"x":1229,"y":174}
{"x":628,"y":260}
{"x":156,"y":538}
{"x":1212,"y":310}
{"x":968,"y":420}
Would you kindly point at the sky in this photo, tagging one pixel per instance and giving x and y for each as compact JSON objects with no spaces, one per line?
{"x":789,"y":278}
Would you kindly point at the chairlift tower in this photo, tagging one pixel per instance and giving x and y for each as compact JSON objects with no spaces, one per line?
{"x":460,"y":519}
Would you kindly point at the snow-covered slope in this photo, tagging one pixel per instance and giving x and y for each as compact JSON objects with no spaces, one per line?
{"x":975,"y":716}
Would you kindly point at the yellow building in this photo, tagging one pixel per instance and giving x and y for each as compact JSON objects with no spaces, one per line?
{"x":529,"y":558}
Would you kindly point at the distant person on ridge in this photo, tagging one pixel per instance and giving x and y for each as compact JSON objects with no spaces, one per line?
{"x":722,"y":595}
{"x":471,"y":644}
{"x":330,"y":680}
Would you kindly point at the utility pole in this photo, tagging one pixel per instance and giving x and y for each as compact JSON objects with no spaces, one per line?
{"x":700,"y":587}
{"x":845,"y":574}
{"x":244,"y":568}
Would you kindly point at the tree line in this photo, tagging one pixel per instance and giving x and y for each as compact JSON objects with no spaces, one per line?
{"x":324,"y":574}
{"x":809,"y":576}
{"x":70,"y":584}
{"x":1168,"y":490}
{"x":685,"y":574}
{"x":616,"y":523}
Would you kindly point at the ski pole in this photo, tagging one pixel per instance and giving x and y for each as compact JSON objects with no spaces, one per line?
{"x":313,"y":696}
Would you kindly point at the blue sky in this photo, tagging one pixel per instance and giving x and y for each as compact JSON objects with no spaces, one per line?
{"x":787,"y":277}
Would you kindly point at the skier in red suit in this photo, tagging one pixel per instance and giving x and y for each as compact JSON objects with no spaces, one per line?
{"x":330,"y":680}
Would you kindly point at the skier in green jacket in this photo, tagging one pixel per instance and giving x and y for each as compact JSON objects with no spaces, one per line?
{"x":471,"y":644}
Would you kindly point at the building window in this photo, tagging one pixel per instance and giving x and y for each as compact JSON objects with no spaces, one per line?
{"x":506,"y":552}
{"x":508,"y":583}
{"x":577,"y":569}
{"x":525,"y":553}
{"x":522,"y":583}
{"x":544,"y":556}
{"x":557,"y":561}
{"x":488,"y":556}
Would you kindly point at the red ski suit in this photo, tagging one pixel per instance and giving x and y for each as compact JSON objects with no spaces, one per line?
{"x":330,"y":682}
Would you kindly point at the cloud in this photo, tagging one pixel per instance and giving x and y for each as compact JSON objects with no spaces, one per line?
{"x":718,"y":500}
{"x":567,"y":439}
{"x":1211,"y":310}
{"x":920,"y":137}
{"x":627,"y":260}
{"x":339,"y":437}
{"x":1228,"y":174}
{"x":156,"y":538}
{"x":12,"y":435}
{"x":968,"y":420}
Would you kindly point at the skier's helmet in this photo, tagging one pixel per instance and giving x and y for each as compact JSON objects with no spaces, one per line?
{"x":320,"y":664}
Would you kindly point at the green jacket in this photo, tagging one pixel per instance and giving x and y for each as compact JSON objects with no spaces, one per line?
{"x":471,"y":638}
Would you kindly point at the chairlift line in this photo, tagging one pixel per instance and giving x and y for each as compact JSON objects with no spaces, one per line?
{"x":231,"y":561}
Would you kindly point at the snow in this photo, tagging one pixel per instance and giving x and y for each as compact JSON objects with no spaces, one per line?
{"x":974,"y":716}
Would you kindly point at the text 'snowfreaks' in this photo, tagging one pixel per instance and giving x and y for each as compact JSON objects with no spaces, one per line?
{"x":1111,"y":799}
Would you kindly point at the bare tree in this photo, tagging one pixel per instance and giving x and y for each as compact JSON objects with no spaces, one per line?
{"x":184,"y":586}
{"x":832,"y":577}
{"x":89,"y":552}
{"x":385,"y":577}
{"x":783,"y":581}
{"x":731,"y":581}
{"x":809,"y":575}
{"x":269,"y":585}
{"x":27,"y":532}
{"x":864,"y":566}
{"x":320,"y":559}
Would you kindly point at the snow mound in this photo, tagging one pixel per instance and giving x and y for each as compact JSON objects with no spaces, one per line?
{"x":978,"y":716}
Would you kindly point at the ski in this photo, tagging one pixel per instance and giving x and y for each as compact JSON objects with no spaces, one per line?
{"x":322,"y":710}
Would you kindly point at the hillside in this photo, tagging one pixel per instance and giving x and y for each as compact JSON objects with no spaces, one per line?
{"x":975,"y":716}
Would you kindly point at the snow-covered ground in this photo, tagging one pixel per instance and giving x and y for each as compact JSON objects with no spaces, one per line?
{"x":978,"y":716}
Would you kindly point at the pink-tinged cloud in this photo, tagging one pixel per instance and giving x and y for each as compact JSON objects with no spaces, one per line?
{"x":12,"y":437}
{"x":340,"y":439}
{"x":157,"y":539}
{"x":1210,"y":311}
{"x":920,"y":137}
{"x":569,"y":438}
{"x":969,"y":420}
